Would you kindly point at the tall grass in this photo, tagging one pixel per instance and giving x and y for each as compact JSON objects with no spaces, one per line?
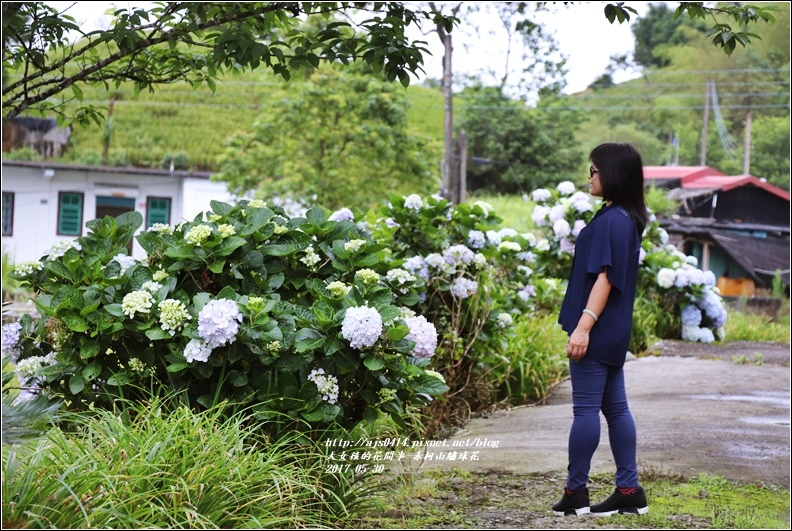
{"x":165,"y":466}
{"x":750,"y":326}
{"x":534,"y":360}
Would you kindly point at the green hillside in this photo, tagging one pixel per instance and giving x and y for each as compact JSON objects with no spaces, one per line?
{"x":175,"y":121}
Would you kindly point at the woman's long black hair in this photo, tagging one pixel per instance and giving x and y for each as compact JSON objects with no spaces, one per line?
{"x":621,"y":178}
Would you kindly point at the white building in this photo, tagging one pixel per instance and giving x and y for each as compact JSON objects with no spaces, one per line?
{"x":44,"y":202}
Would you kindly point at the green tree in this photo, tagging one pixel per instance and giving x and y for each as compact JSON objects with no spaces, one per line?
{"x":514,"y":149}
{"x":341,"y":136}
{"x":193,"y":42}
{"x":659,"y":26}
{"x":770,"y":135}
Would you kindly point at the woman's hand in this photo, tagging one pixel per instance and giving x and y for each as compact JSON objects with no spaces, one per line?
{"x":578,"y":344}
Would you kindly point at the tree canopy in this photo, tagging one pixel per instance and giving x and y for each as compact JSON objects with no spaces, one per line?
{"x":193,"y":42}
{"x":196,"y":42}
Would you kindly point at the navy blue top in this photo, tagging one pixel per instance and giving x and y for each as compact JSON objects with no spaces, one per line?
{"x":612,"y":240}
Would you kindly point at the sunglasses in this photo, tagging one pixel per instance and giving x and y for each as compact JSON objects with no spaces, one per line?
{"x":592,"y":171}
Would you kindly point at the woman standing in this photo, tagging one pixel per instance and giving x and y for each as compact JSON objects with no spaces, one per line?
{"x":597,"y":314}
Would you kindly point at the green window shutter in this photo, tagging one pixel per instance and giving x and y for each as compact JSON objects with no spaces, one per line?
{"x":8,"y":213}
{"x":158,"y":211}
{"x":70,"y":214}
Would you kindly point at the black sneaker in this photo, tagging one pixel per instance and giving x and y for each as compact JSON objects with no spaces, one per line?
{"x":573,"y":503}
{"x":630,"y":500}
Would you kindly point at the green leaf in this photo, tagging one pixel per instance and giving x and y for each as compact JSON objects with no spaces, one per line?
{"x":92,"y":370}
{"x":217,"y":266}
{"x":114,"y":309}
{"x":238,"y":378}
{"x":76,"y":383}
{"x":308,"y":339}
{"x":75,"y":322}
{"x":176,"y":367}
{"x":373,"y":363}
{"x":155,"y":334}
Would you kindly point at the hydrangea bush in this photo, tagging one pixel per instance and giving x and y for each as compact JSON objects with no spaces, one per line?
{"x":297,"y":317}
{"x":474,"y":279}
{"x":683,"y":299}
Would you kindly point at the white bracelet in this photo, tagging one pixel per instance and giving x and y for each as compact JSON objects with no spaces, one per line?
{"x":594,"y":315}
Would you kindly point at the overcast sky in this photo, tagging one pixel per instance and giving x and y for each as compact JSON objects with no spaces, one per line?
{"x":583,"y":34}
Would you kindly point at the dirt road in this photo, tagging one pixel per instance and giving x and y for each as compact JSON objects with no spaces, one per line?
{"x":717,"y":409}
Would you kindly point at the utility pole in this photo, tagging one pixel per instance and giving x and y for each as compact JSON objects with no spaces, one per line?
{"x":704,"y":129}
{"x":747,"y":149}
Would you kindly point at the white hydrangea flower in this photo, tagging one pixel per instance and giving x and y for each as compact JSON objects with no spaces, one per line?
{"x":541,"y":195}
{"x":692,"y":260}
{"x":666,"y":277}
{"x":435,"y":374}
{"x":508,"y":232}
{"x":493,"y":237}
{"x":213,"y":217}
{"x":137,"y":302}
{"x":539,"y":215}
{"x":151,"y":286}
{"x":343,"y":214}
{"x":311,"y":258}
{"x":436,"y":261}
{"x":197,"y":350}
{"x":28,"y":367}
{"x":458,"y":255}
{"x":417,"y":266}
{"x":400,"y":276}
{"x":582,"y":206}
{"x":159,"y":275}
{"x":59,"y":248}
{"x":543,"y":245}
{"x":161,"y":228}
{"x":218,"y":322}
{"x":663,"y":236}
{"x":198,"y":234}
{"x":354,"y":246}
{"x":173,"y":314}
{"x":368,"y":276}
{"x":390,"y":223}
{"x":362,"y":326}
{"x":641,"y":255}
{"x":479,"y":260}
{"x":413,"y":202}
{"x":709,"y":279}
{"x":279,"y":229}
{"x":691,"y":315}
{"x":226,"y":230}
{"x":257,"y":203}
{"x":476,"y":239}
{"x":504,"y":320}
{"x":561,"y":228}
{"x":486,"y":207}
{"x":338,"y":289}
{"x":556,"y":213}
{"x":11,"y":340}
{"x":510,"y":246}
{"x":577,"y":227}
{"x":566,"y":188}
{"x":326,"y":384}
{"x":27,"y":268}
{"x":529,"y":237}
{"x":682,"y":278}
{"x":424,"y":334}
{"x":462,"y":288}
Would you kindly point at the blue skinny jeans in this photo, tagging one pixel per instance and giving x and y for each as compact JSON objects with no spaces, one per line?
{"x":598,"y":387}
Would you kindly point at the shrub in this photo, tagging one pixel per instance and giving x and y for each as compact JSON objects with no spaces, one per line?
{"x":246,"y":305}
{"x":474,"y":282}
